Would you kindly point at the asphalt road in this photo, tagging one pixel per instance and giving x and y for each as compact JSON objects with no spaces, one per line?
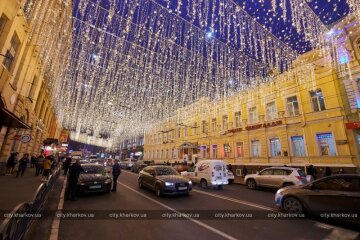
{"x":205,"y":211}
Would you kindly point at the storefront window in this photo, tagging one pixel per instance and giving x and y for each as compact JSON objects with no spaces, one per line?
{"x":326,"y":144}
{"x":298,"y":146}
{"x":214,"y":151}
{"x":239,"y":149}
{"x":275,"y":149}
{"x":255,"y":148}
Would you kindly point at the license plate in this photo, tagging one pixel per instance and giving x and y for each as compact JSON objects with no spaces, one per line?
{"x":182,"y":188}
{"x":95,"y":187}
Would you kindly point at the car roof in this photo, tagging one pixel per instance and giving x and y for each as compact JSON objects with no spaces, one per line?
{"x":91,"y":164}
{"x":160,"y":166}
{"x":282,"y":167}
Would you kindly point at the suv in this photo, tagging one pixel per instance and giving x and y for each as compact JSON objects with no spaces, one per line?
{"x":276,"y":177}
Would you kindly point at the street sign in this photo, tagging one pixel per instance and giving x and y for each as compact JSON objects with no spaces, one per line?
{"x":25,"y":138}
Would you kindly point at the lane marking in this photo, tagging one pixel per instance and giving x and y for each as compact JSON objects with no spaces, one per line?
{"x":214,"y":230}
{"x":316,"y":223}
{"x":231,"y":199}
{"x":54,"y":234}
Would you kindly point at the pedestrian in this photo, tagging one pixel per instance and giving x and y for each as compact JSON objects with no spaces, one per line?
{"x":37,"y":168}
{"x":41,"y":159}
{"x":312,"y":171}
{"x":230,"y":168}
{"x":73,"y":177}
{"x":32,"y":161}
{"x":116,"y":170}
{"x":245,"y":172}
{"x":341,"y":171}
{"x":328,"y":171}
{"x":11,"y":163}
{"x":66,"y":165}
{"x":23,"y":162}
{"x":46,"y":168}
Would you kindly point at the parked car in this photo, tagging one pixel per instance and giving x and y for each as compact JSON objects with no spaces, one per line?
{"x":140,"y":165}
{"x":127,"y":163}
{"x":98,"y":161}
{"x":109,"y":162}
{"x":337,"y":193}
{"x":208,"y":173}
{"x":181,"y":167}
{"x":276,"y":177}
{"x":164,"y":180}
{"x":94,"y":178}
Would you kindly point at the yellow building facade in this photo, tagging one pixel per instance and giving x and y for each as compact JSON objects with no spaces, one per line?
{"x":300,"y":118}
{"x":27,"y":114}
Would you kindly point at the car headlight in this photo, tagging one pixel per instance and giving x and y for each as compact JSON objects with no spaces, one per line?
{"x":190,"y":182}
{"x":169,"y":184}
{"x":108,"y":180}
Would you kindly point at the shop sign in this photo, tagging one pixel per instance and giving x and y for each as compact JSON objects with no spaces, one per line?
{"x":235,"y":130}
{"x":25,"y":138}
{"x":265,"y":125}
{"x":353,"y":125}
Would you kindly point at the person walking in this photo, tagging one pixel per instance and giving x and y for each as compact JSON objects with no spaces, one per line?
{"x":73,"y":177}
{"x":23,"y":164}
{"x":116,"y":170}
{"x":245,"y":172}
{"x":11,"y":163}
{"x":41,"y":159}
{"x":328,"y":171}
{"x":312,"y":171}
{"x":66,"y":165}
{"x":46,"y":168}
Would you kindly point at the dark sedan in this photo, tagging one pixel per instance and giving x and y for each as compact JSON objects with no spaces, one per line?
{"x":94,"y":179}
{"x":164,"y":180}
{"x":336,"y":194}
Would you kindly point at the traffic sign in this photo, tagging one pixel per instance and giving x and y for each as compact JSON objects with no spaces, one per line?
{"x":25,"y":138}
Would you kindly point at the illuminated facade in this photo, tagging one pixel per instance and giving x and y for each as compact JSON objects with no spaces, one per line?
{"x":308,"y":116}
{"x":27,"y":114}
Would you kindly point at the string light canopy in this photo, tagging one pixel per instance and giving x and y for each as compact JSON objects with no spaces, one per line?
{"x":134,"y":63}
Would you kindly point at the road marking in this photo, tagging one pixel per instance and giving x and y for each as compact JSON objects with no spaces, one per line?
{"x":232,"y":199}
{"x":54,"y":234}
{"x":237,"y":201}
{"x":214,"y":230}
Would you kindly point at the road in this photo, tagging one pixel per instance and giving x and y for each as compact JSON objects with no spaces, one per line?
{"x":232,"y":198}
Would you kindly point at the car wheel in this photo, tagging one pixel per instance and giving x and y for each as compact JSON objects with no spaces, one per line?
{"x":287,"y":184}
{"x":231,"y":181}
{"x":251,"y":184}
{"x":220,"y":187}
{"x":158,"y":190}
{"x":292,"y":205}
{"x":203,"y":183}
{"x":140,"y":184}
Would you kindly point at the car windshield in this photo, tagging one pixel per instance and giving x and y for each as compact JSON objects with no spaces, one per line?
{"x":301,"y":173}
{"x":166,"y":171}
{"x":93,"y":169}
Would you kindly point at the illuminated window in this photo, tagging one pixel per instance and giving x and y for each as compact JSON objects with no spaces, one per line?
{"x":239,"y":149}
{"x":326,"y":144}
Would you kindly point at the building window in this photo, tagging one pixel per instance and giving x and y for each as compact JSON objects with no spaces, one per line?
{"x":298,"y":146}
{"x":271,"y":112}
{"x":227,"y":150}
{"x":159,"y":138}
{"x":255,"y":148}
{"x":225,"y":123}
{"x":167,"y":153}
{"x":317,"y":100}
{"x":179,"y":132}
{"x":203,"y":151}
{"x":275,"y":149}
{"x":203,"y":127}
{"x":292,"y":106}
{"x":252,"y":115}
{"x":195,"y":129}
{"x":11,"y":52}
{"x":3,"y":21}
{"x":237,"y":118}
{"x":214,"y":151}
{"x":213,"y":124}
{"x":326,"y":144}
{"x":186,"y":133}
{"x":239,"y":149}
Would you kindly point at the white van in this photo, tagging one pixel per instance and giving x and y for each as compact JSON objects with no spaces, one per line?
{"x":208,"y":173}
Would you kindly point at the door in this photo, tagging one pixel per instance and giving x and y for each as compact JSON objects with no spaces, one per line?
{"x":218,"y":172}
{"x":264,"y":178}
{"x":278,"y":177}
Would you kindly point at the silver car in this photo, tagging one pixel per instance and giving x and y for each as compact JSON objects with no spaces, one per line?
{"x":276,"y":177}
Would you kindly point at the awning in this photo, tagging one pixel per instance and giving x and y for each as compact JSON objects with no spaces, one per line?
{"x":188,"y":145}
{"x":11,"y":120}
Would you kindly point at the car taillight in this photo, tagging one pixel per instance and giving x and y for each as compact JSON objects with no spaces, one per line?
{"x":299,"y":177}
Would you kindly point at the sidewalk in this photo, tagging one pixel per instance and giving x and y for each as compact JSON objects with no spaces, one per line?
{"x":17,"y":190}
{"x":239,"y":180}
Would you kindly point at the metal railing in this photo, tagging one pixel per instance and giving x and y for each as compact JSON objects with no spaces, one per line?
{"x":19,"y":221}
